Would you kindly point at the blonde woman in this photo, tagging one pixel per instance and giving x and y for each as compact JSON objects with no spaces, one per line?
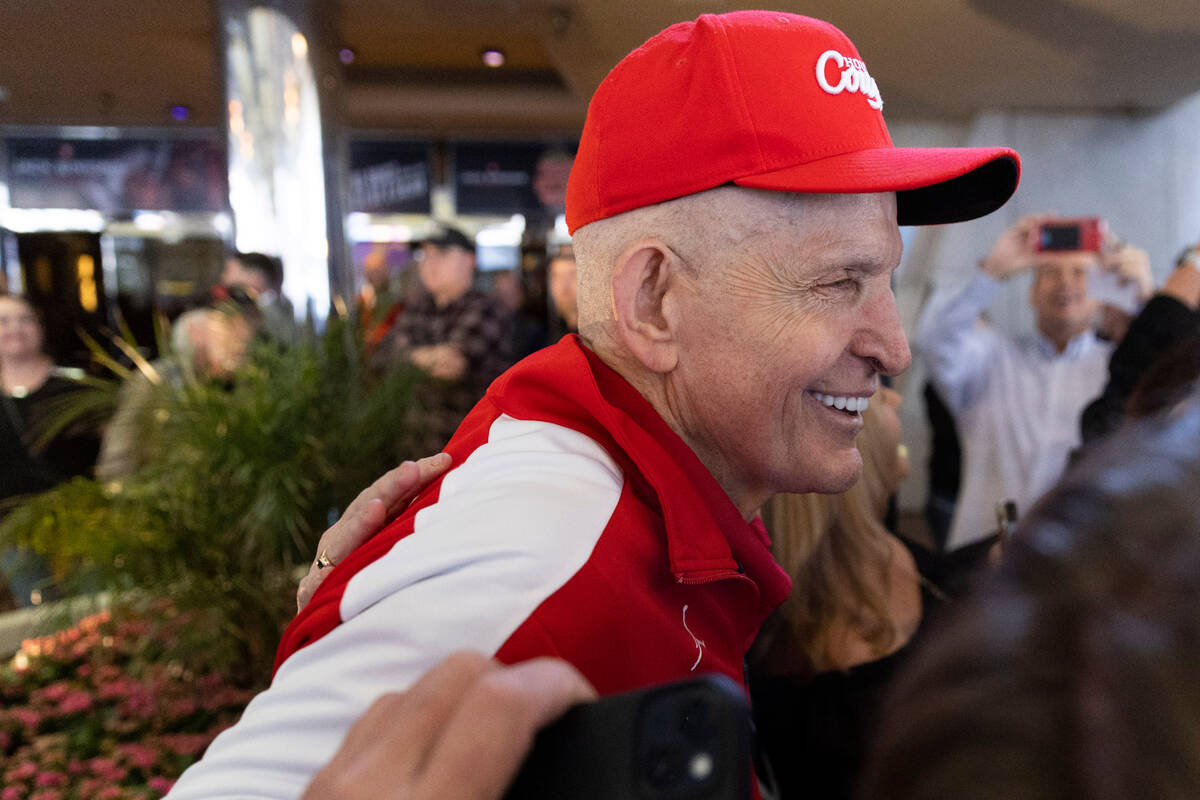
{"x":821,"y":662}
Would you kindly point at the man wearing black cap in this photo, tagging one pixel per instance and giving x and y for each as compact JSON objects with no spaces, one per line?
{"x":453,"y":331}
{"x":259,"y":277}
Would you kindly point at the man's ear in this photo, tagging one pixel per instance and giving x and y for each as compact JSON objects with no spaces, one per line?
{"x":646,"y":287}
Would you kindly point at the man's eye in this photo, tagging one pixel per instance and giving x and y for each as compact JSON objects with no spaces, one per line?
{"x":844,"y":285}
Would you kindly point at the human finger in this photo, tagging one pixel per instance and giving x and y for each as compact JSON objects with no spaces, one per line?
{"x":386,"y":751}
{"x":493,"y":729}
{"x":427,"y":470}
{"x":364,"y":517}
{"x":1134,"y":267}
{"x":398,"y":488}
{"x":367,"y":514}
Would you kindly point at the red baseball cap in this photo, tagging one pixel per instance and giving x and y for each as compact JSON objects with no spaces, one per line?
{"x":766,"y":100}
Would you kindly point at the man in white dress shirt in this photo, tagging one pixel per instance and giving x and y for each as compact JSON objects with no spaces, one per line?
{"x":1017,"y":400}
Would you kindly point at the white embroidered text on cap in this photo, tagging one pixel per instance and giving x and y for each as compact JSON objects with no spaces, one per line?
{"x":853,"y":77}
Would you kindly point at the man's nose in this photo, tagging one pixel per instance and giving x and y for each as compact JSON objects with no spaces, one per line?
{"x":881,"y":338}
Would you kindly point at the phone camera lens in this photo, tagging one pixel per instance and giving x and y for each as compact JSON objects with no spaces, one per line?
{"x":700,"y":767}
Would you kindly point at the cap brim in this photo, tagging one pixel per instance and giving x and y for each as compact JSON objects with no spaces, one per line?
{"x":933,"y":185}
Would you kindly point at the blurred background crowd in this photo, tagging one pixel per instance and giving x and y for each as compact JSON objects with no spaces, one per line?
{"x":274,"y":250}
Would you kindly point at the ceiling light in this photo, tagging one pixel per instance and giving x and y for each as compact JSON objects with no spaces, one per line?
{"x":180,"y":113}
{"x":346,"y":55}
{"x":493,"y":57}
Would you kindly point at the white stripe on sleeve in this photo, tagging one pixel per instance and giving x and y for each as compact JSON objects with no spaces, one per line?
{"x":512,"y":524}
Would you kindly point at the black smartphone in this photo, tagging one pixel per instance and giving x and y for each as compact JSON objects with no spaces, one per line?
{"x":689,"y":740}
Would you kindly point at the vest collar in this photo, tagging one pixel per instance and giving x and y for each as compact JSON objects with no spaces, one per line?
{"x":707,"y":539}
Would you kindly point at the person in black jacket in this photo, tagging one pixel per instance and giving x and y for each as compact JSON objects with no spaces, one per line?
{"x":1171,"y":315}
{"x":31,"y":386}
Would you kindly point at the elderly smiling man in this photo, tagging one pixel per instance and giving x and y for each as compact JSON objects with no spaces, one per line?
{"x":734,"y":205}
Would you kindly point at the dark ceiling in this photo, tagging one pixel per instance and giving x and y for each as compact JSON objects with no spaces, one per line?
{"x":417,"y":65}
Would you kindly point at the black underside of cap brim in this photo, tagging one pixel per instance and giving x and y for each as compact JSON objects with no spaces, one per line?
{"x":970,"y":196}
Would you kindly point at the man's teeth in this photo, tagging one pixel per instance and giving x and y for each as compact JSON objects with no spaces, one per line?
{"x":852,"y":404}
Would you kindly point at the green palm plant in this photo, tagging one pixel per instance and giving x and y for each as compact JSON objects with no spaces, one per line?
{"x":239,"y":479}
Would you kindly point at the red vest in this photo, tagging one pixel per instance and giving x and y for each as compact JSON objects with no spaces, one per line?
{"x":676,"y":581}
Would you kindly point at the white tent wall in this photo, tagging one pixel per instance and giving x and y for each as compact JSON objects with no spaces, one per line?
{"x":1140,"y":172}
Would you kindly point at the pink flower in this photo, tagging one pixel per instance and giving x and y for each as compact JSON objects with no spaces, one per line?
{"x":13,"y":793}
{"x":160,"y":784}
{"x":27,"y":717}
{"x":75,"y":702}
{"x":75,"y":767}
{"x":186,"y":744}
{"x":140,"y":702}
{"x":47,"y":794}
{"x":55,"y":692}
{"x":138,"y":755}
{"x":90,"y":787}
{"x":23,"y":771}
{"x":108,"y":769}
{"x":50,"y":779}
{"x":184,"y":707}
{"x":114,"y":689}
{"x":225,"y":696}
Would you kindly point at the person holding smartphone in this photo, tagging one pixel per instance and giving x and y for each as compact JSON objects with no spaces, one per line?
{"x":1017,"y":399}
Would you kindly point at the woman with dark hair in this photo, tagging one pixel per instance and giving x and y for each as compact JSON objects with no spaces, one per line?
{"x":1075,"y":671}
{"x":30,"y":387}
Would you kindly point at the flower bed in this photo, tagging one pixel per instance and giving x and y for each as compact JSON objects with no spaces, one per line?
{"x":95,"y":712}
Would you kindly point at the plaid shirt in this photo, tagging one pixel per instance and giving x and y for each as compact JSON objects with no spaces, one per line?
{"x":477,"y":326}
{"x":480,"y":328}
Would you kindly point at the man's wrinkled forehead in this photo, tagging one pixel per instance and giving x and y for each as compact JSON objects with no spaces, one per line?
{"x":860,"y":226}
{"x":745,"y":213}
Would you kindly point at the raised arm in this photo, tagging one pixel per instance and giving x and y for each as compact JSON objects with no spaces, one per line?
{"x":956,"y":346}
{"x":1170,"y":315}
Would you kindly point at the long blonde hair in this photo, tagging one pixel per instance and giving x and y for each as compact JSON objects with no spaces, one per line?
{"x":836,"y":550}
